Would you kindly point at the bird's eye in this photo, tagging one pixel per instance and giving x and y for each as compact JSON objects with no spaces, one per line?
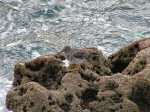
{"x":94,"y":58}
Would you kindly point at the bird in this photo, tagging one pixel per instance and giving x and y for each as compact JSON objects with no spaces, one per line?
{"x":73,"y":55}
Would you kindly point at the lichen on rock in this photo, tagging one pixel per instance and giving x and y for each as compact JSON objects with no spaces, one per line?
{"x":89,"y":83}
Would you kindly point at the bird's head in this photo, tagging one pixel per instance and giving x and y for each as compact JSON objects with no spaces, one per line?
{"x":66,"y":49}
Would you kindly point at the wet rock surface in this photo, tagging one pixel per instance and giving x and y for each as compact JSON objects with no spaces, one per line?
{"x":84,"y":80}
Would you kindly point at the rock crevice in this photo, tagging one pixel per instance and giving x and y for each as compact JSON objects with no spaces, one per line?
{"x":89,"y":83}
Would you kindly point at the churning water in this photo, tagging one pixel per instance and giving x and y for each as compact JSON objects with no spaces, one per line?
{"x":30,"y":28}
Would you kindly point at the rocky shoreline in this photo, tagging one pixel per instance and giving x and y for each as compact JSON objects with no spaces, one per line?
{"x":84,"y":80}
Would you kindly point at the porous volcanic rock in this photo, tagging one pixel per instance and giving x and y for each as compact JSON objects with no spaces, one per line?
{"x":89,"y":82}
{"x":46,"y":70}
{"x":121,"y":59}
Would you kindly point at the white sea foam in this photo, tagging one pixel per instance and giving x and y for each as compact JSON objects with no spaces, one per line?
{"x":105,"y":53}
{"x":14,"y":43}
{"x":22,"y":30}
{"x":5,"y":85}
{"x":44,"y":27}
{"x":35,"y":54}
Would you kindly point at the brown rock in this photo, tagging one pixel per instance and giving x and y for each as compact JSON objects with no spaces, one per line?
{"x":45,"y":84}
{"x":46,"y":70}
{"x":140,"y":65}
{"x":134,"y":88}
{"x":123,"y":57}
{"x":87,"y":57}
{"x":29,"y":97}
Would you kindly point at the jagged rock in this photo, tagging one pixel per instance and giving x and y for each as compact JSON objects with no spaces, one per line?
{"x":141,"y":94}
{"x":46,"y":70}
{"x":86,"y":84}
{"x":134,"y":88}
{"x":29,"y":97}
{"x":133,"y":59}
{"x":123,"y":57}
{"x":140,"y":65}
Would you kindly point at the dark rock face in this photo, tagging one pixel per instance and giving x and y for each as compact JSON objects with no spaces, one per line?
{"x":87,"y":84}
{"x":124,"y":56}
